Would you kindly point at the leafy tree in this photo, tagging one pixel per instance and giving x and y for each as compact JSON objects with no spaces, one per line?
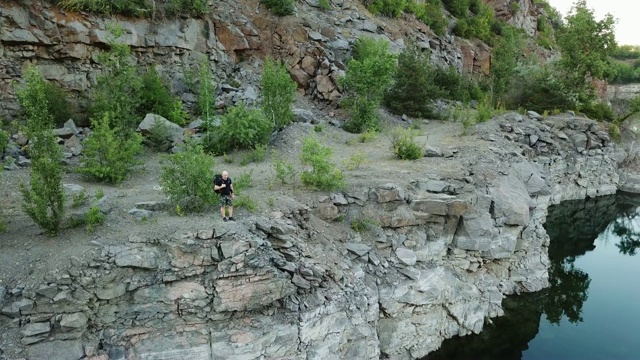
{"x":504,"y":60}
{"x":413,"y":85}
{"x":369,"y":74}
{"x":44,"y":197}
{"x":240,"y":128}
{"x":323,"y":174}
{"x":539,"y":88}
{"x":278,"y":93}
{"x":108,"y":156}
{"x":119,"y":87}
{"x":155,"y":98}
{"x":585,"y":45}
{"x":186,"y":178}
{"x":280,"y":7}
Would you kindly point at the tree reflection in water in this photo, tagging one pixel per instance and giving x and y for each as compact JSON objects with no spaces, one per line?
{"x":627,"y":230}
{"x":573,"y":227}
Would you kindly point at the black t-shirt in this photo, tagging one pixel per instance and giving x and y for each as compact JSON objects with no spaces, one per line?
{"x":227,"y":189}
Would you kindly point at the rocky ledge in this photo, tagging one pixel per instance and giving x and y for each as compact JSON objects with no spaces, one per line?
{"x":434,"y":259}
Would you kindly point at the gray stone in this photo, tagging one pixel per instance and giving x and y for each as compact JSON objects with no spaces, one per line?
{"x":631,"y":184}
{"x":233,"y":248}
{"x":249,"y":292}
{"x":369,"y":26}
{"x":73,"y":321}
{"x":152,"y":205}
{"x":339,"y":199}
{"x":301,"y":282}
{"x":192,"y":345}
{"x":72,"y":189}
{"x":175,"y":131}
{"x":534,"y":115}
{"x":140,"y":214}
{"x":35,"y":329}
{"x":138,"y":258}
{"x":407,"y":256}
{"x":47,"y":291}
{"x":510,"y":201}
{"x":432,"y":151}
{"x":339,"y":44}
{"x":304,"y":116}
{"x":359,"y":249}
{"x":475,"y":231}
{"x":56,"y":350}
{"x":315,"y":36}
{"x":328,"y":211}
{"x":251,"y":93}
{"x":106,"y":204}
{"x":389,"y":192}
{"x":18,"y":35}
{"x":111,"y":291}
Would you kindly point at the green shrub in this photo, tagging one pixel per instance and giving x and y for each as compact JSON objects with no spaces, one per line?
{"x":368,"y":136}
{"x":242,"y":181}
{"x":414,"y":85}
{"x":480,"y":24}
{"x":58,"y":104}
{"x":598,"y":111}
{"x":323,"y":174}
{"x":206,"y":93}
{"x":430,"y":13}
{"x":539,"y":88}
{"x":79,"y":199}
{"x":192,"y":7}
{"x":285,"y":172}
{"x":94,"y":218}
{"x":186,"y":178}
{"x":245,"y":202}
{"x":155,"y":98}
{"x":356,"y":161}
{"x":390,"y":8}
{"x":369,"y":74}
{"x":256,"y":155}
{"x":362,"y":223}
{"x":504,"y":61}
{"x":278,"y":93}
{"x":457,"y":8}
{"x":159,"y":136}
{"x":118,"y":88}
{"x":4,"y":141}
{"x":44,"y":197}
{"x":106,"y":7}
{"x":242,"y":128}
{"x":99,"y":194}
{"x":280,"y":7}
{"x":484,"y":111}
{"x":108,"y":154}
{"x":325,"y":5}
{"x":404,"y":145}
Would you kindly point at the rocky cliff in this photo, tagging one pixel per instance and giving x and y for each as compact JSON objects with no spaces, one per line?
{"x":437,"y":253}
{"x":314,"y":43}
{"x":436,"y":257}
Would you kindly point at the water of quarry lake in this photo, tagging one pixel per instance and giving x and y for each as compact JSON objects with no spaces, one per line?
{"x":592,"y":308}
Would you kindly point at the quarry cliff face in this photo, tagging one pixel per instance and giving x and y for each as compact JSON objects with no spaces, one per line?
{"x":442,"y":250}
{"x":232,"y":38}
{"x":445,"y":250}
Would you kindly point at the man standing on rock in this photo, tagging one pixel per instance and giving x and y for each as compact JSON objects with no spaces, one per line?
{"x":224,"y":187}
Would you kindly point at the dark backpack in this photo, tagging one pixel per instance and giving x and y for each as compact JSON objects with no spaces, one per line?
{"x":217,"y":178}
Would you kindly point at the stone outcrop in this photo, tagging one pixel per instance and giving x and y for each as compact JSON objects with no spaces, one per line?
{"x":436,"y":260}
{"x":314,"y":45}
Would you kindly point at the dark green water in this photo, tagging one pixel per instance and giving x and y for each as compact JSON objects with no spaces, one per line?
{"x":591,"y":310}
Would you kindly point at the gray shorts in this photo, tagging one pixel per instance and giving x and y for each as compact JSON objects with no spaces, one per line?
{"x":225,"y":200}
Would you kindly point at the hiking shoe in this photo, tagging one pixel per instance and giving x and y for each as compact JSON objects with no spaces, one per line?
{"x":224,"y":218}
{"x":231,"y":218}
